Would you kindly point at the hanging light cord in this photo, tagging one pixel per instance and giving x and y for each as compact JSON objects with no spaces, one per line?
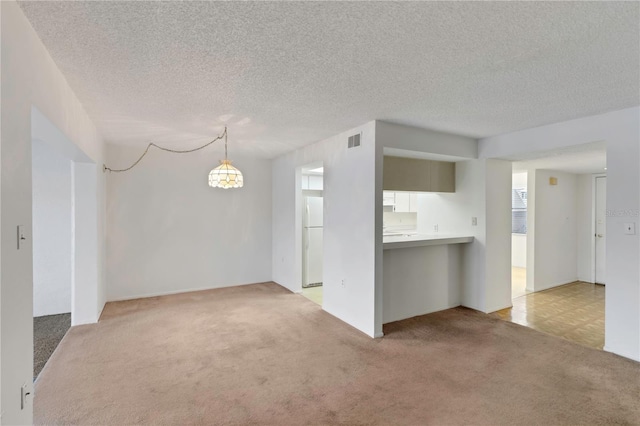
{"x":175,"y":151}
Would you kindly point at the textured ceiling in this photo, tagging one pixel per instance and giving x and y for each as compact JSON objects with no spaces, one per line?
{"x":586,"y":158}
{"x":285,"y":74}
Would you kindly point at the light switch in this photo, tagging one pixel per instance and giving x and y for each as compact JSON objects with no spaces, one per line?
{"x":630,"y":228}
{"x":22,"y":238}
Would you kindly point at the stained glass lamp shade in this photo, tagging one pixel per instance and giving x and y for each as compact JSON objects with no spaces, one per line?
{"x":225,"y":176}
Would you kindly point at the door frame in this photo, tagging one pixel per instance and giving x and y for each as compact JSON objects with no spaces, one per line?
{"x":593,"y":224}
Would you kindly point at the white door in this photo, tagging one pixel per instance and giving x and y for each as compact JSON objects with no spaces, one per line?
{"x":601,"y":229}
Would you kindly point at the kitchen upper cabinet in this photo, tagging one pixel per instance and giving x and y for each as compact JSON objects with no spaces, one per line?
{"x":388,"y":198}
{"x":413,"y":202}
{"x":400,"y":202}
{"x":410,"y":174}
{"x":443,"y":176}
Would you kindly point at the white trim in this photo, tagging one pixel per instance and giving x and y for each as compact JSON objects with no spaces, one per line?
{"x":592,"y":258}
{"x":189,"y":290}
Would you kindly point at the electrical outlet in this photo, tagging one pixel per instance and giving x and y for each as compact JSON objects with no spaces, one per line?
{"x":342,"y":283}
{"x":474,"y":221}
{"x":435,"y":228}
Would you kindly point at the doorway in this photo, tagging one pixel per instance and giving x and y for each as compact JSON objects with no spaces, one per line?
{"x":558,"y":211}
{"x":518,"y":234}
{"x":65,"y":237}
{"x":52,"y":221}
{"x":312,"y":231}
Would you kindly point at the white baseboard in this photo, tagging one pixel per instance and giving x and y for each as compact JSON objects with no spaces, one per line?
{"x":185,"y":290}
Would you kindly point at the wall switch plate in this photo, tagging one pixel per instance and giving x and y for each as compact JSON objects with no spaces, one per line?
{"x":630,"y":228}
{"x":21,"y":236}
{"x":474,"y":221}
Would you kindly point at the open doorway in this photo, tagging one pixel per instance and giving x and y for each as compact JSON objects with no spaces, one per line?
{"x":518,"y":234}
{"x":560,"y":246}
{"x":312,"y":231}
{"x":65,"y":237}
{"x":52,"y":215}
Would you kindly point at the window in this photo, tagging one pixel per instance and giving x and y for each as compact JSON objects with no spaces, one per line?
{"x":519,"y":211}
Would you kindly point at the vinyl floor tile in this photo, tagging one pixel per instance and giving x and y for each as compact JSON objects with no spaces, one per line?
{"x":574,"y":312}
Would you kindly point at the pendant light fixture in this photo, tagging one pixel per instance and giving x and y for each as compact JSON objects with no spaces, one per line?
{"x":225,"y":176}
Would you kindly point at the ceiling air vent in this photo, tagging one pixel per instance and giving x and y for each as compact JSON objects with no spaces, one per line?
{"x":354,"y":141}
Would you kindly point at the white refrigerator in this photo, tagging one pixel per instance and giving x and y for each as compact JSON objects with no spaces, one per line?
{"x":312,"y":242}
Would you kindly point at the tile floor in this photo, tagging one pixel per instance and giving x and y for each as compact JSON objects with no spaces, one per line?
{"x":314,"y":294}
{"x":518,"y":282}
{"x":573,"y":311}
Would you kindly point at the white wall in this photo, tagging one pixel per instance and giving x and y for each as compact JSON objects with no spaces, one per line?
{"x":485,"y":286}
{"x":349,"y":224}
{"x":52,"y":222}
{"x":417,"y":140}
{"x":29,"y":78}
{"x":497,"y":258}
{"x":170,"y":232}
{"x":519,"y":250}
{"x":620,"y":130}
{"x":555,"y":232}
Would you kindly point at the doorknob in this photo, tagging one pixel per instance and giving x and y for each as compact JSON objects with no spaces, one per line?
{"x":600,"y":235}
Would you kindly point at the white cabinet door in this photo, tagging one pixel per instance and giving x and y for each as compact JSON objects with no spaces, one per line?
{"x":413,"y":202}
{"x":403,"y":201}
{"x":388,"y":198}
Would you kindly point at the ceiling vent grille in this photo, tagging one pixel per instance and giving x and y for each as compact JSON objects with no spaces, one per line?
{"x":354,"y":141}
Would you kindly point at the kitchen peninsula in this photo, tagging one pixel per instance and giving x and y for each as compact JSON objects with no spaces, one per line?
{"x":421,"y":273}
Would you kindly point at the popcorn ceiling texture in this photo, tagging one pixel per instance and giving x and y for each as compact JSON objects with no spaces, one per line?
{"x":283,"y":74}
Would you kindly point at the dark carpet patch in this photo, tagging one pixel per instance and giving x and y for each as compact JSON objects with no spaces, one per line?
{"x":48,"y":331}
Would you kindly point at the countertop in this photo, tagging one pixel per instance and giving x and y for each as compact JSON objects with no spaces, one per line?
{"x":420,"y":240}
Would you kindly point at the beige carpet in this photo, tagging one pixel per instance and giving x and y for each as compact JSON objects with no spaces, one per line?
{"x":261,"y":355}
